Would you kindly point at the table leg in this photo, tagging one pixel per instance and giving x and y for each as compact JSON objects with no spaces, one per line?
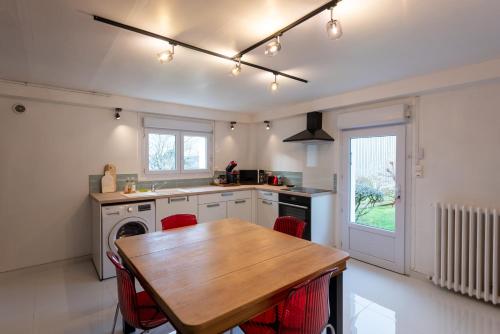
{"x":127,"y":329}
{"x":336,"y":303}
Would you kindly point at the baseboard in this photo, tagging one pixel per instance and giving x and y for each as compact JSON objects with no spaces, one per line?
{"x":50,"y":265}
{"x":419,"y":275}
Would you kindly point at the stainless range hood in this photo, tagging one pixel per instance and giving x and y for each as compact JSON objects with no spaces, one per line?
{"x":314,"y":131}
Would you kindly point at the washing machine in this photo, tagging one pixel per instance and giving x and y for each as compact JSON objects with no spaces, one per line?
{"x":121,"y":221}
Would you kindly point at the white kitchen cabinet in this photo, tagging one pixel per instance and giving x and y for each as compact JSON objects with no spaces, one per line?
{"x":241,"y":208}
{"x":212,"y":211}
{"x":267,"y":212}
{"x":175,"y":205}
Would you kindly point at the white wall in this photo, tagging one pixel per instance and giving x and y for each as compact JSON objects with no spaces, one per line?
{"x":315,"y":161}
{"x":238,"y":145}
{"x":46,"y":156}
{"x":460,"y":134}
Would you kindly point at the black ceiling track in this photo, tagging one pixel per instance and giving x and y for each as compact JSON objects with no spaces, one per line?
{"x":328,"y":5}
{"x":191,"y":47}
{"x":237,"y":57}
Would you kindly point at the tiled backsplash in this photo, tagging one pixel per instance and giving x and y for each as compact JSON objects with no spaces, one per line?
{"x":294,"y":178}
{"x":95,"y":181}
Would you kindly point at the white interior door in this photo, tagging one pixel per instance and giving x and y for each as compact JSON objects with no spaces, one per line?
{"x":374,"y":188}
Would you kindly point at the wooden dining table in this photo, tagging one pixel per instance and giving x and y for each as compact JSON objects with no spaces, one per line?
{"x":210,"y":277}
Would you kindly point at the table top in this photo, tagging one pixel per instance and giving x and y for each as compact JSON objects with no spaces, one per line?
{"x":210,"y":277}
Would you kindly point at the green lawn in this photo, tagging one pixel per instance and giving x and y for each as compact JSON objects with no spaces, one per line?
{"x":381,"y":216}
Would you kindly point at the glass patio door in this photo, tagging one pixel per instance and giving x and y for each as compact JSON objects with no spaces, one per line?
{"x":374,"y":204}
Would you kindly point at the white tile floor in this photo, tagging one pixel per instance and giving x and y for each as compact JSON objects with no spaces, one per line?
{"x":69,"y":299}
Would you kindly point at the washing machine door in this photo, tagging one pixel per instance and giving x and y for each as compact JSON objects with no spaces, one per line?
{"x":126,"y":228}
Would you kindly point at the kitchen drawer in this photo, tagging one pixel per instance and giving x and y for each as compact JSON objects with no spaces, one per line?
{"x":211,"y":212}
{"x":224,"y":196}
{"x":175,"y":205}
{"x":240,"y":208}
{"x":269,"y":195}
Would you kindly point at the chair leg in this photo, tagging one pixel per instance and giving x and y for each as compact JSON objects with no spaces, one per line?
{"x":329,"y":326}
{"x":114,"y":321}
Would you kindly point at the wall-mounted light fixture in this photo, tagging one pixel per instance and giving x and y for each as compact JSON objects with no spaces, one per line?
{"x":268,"y":125}
{"x":117,"y":113}
{"x":233,"y":123}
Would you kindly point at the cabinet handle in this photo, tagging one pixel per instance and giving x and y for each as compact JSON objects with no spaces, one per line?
{"x":227,"y":194}
{"x":240,"y":201}
{"x":267,"y":202}
{"x":267,"y":194}
{"x":177,"y":199}
{"x":213,"y":205}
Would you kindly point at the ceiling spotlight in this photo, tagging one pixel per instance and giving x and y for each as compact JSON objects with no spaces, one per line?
{"x":268,"y":125}
{"x":333,"y":27}
{"x":273,"y":47}
{"x":166,"y":56}
{"x":117,"y":113}
{"x":274,"y":84}
{"x":232,"y":125}
{"x":237,"y":68}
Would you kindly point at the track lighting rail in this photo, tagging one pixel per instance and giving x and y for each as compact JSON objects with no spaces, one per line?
{"x":328,"y":5}
{"x":192,"y":47}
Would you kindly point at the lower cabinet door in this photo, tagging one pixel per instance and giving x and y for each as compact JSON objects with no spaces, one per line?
{"x":175,"y":205}
{"x":240,"y":208}
{"x":211,"y":211}
{"x":267,"y":212}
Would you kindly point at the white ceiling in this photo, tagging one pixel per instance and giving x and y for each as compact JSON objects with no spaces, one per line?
{"x":56,"y":42}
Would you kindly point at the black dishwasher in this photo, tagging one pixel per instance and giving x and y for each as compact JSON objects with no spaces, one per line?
{"x":298,"y":207}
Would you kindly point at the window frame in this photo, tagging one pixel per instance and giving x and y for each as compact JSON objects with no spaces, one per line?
{"x":179,"y":155}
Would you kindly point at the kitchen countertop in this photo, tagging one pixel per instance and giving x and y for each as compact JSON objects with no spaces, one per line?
{"x":119,"y":197}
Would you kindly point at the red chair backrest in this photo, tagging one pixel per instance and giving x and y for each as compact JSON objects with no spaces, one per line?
{"x":290,"y":225}
{"x":306,"y":309}
{"x":180,"y":220}
{"x":126,"y":291}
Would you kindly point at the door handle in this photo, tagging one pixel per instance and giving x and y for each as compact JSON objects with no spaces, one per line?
{"x":294,"y":205}
{"x":240,"y":201}
{"x":213,"y":205}
{"x":398,"y":192}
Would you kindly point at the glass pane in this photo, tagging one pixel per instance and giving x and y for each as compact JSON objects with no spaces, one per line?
{"x":195,"y":152}
{"x":161,"y":152}
{"x":373,"y":182}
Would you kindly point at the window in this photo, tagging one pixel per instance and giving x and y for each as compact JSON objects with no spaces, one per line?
{"x":195,"y":149}
{"x":177,"y":147}
{"x":162,"y":152}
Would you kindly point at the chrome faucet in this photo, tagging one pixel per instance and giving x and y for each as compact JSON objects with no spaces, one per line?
{"x":153,"y":187}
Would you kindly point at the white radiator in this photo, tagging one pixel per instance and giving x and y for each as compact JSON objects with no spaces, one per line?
{"x":467,"y":256}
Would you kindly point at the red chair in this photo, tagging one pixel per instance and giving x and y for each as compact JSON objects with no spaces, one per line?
{"x":180,"y":220}
{"x":138,"y":309}
{"x":305,"y":311}
{"x":290,"y":225}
